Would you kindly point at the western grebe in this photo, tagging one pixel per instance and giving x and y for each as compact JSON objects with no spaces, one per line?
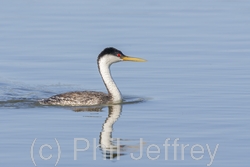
{"x":84,"y":98}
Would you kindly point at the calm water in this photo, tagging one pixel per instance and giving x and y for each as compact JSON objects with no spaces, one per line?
{"x":195,"y":87}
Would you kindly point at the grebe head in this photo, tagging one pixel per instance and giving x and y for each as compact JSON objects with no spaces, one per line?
{"x":112,"y":55}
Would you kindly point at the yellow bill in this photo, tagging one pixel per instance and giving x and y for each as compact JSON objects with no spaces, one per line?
{"x":128,"y":58}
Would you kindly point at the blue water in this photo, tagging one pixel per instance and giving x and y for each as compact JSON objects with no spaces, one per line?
{"x":193,"y":91}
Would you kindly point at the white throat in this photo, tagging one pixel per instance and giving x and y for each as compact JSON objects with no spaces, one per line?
{"x":104,"y":69}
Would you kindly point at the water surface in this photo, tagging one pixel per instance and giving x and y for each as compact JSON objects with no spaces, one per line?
{"x":195,"y":83}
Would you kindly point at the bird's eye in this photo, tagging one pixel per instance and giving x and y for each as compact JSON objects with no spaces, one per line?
{"x":118,"y":55}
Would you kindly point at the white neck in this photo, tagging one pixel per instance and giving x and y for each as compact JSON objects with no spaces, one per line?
{"x":104,"y":65}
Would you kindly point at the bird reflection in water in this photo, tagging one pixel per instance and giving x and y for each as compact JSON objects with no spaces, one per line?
{"x":111,"y":148}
